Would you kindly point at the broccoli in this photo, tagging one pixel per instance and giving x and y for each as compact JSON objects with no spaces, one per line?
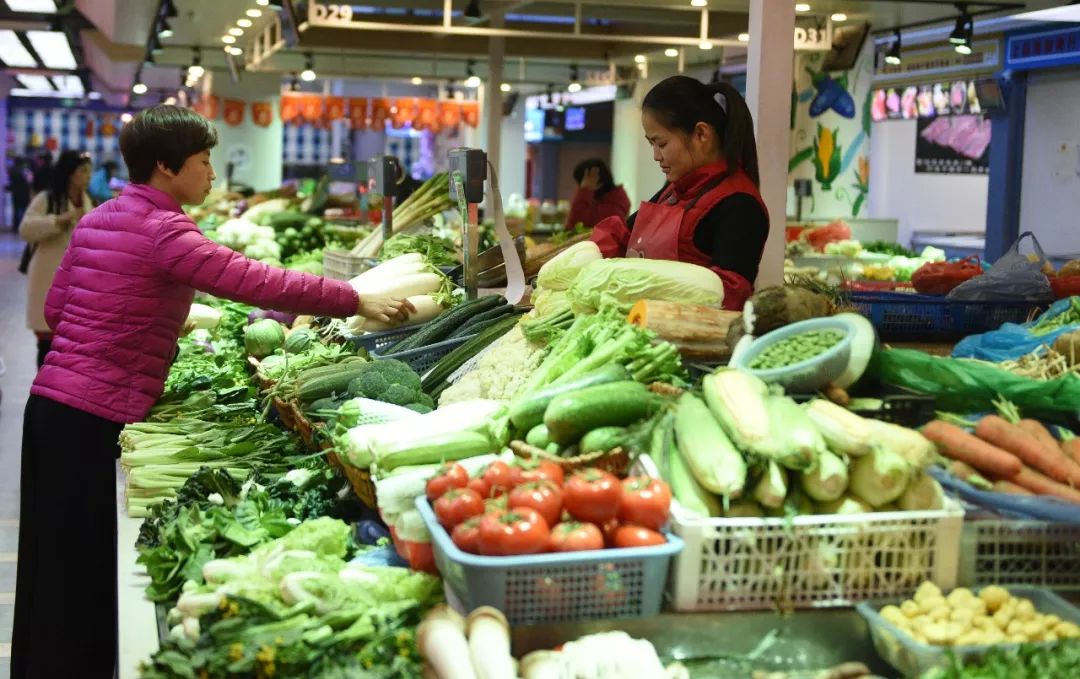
{"x":387,"y":380}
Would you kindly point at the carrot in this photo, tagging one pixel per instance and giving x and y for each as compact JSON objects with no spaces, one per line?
{"x":1011,"y":438}
{"x":1011,"y":488}
{"x":1071,"y":447}
{"x":1041,"y":484}
{"x":957,"y":444}
{"x":965,"y":472}
{"x":1041,"y":434}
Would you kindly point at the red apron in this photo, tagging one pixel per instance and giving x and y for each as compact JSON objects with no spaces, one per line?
{"x":664,"y":230}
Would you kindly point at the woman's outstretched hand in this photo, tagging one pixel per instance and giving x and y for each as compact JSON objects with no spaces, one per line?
{"x":385,"y":309}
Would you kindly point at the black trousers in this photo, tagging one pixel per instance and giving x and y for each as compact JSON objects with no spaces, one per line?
{"x":66,"y":594}
{"x":43,"y":347}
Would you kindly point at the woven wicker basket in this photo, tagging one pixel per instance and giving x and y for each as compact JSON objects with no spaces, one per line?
{"x":617,"y":460}
{"x":360,"y":480}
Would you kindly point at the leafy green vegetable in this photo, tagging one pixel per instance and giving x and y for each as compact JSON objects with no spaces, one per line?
{"x":1027,"y":661}
{"x":889,"y":248}
{"x":621,"y":282}
{"x":437,"y":251}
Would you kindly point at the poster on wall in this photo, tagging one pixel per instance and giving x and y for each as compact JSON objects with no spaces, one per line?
{"x":924,"y":101}
{"x":952,"y":145}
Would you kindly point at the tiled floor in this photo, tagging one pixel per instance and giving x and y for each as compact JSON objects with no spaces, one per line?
{"x":17,"y":353}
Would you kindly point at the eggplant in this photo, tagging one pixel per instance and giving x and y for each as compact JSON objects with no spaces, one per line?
{"x":282,"y":317}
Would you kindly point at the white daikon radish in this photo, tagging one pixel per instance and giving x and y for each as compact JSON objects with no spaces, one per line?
{"x":410,"y":262}
{"x":441,"y":640}
{"x":489,"y":644}
{"x":542,"y":665}
{"x":400,"y":286}
{"x":426,"y":309}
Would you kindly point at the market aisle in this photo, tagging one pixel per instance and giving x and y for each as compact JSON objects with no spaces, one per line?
{"x":17,"y":353}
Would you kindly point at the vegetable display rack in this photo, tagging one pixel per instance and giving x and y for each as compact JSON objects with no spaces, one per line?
{"x":602,"y":584}
{"x":1037,"y":553}
{"x":902,"y":316}
{"x":811,"y":561}
{"x":341,"y":265}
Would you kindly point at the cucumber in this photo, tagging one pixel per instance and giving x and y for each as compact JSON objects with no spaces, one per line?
{"x":527,"y":412}
{"x":473,"y":324}
{"x":571,"y":415}
{"x":322,"y":386}
{"x":602,"y":439}
{"x":440,"y":328}
{"x":435,"y":381}
{"x":538,"y":437}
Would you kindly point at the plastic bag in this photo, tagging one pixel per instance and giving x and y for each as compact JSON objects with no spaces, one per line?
{"x":1014,"y":277}
{"x":1013,"y":340}
{"x":969,"y":386}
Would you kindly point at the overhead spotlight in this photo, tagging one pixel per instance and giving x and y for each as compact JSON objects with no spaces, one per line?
{"x":243,"y":23}
{"x":892,"y":57}
{"x":744,"y":37}
{"x":699,"y":3}
{"x":169,"y":101}
{"x":671,"y":52}
{"x":125,"y":117}
{"x":962,"y":32}
{"x":168,"y":9}
{"x":294,"y":84}
{"x":308,"y":74}
{"x":472,"y":80}
{"x":472,"y":10}
{"x":196,"y":70}
{"x":639,"y":58}
{"x":234,"y":50}
{"x":148,"y":60}
{"x":236,"y":31}
{"x":505,"y":87}
{"x":164,"y":29}
{"x":417,"y":80}
{"x":705,"y":45}
{"x":839,"y":16}
{"x":254,"y":13}
{"x":139,"y":88}
{"x":262,"y":3}
{"x":575,"y":85}
{"x":550,"y":94}
{"x":228,"y":39}
{"x":802,"y":7}
{"x":155,"y":45}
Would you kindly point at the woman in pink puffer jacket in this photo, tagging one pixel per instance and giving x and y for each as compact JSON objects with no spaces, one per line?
{"x":116,"y":308}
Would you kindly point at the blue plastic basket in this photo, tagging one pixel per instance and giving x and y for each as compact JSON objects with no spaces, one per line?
{"x":902,"y":316}
{"x":604,"y":584}
{"x":375,"y":342}
{"x":422,"y":359}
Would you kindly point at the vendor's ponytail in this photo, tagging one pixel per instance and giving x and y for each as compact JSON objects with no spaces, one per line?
{"x":681,"y":102}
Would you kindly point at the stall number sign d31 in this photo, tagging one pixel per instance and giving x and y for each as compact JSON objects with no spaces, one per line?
{"x":813,"y":34}
{"x":329,"y":14}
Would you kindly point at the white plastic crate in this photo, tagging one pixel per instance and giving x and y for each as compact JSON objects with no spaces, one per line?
{"x":812,"y":561}
{"x":342,"y":266}
{"x":1036,"y":553}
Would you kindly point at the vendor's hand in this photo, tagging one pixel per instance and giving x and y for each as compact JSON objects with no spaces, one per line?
{"x":591,"y":179}
{"x":385,"y":309}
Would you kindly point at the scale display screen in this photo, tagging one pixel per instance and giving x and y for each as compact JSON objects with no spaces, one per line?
{"x":575,"y":119}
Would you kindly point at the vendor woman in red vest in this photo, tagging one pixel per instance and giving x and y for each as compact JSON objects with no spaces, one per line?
{"x":709,"y":211}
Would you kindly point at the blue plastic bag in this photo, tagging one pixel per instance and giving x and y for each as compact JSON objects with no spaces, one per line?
{"x":1013,"y":340}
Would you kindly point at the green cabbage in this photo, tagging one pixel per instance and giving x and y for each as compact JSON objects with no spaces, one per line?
{"x":550,"y":302}
{"x":559,"y":273}
{"x":622,"y":282}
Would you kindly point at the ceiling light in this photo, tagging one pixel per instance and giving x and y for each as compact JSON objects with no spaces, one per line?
{"x":472,"y":10}
{"x":505,"y":87}
{"x":139,"y":88}
{"x":699,"y":3}
{"x":802,"y":7}
{"x":417,"y":80}
{"x":125,"y":117}
{"x":243,"y":23}
{"x":53,"y":48}
{"x":839,"y":16}
{"x":254,"y":13}
{"x":575,"y":85}
{"x":671,"y":52}
{"x":308,"y":74}
{"x":639,"y":58}
{"x":228,"y":39}
{"x":472,"y":81}
{"x":15,"y":55}
{"x":164,"y":29}
{"x":744,"y":37}
{"x":35,"y":82}
{"x":236,"y":31}
{"x":38,"y":6}
{"x":235,"y":51}
{"x":574,"y":88}
{"x":705,"y":45}
{"x":94,"y":95}
{"x":262,"y":3}
{"x":170,"y":101}
{"x":892,"y":57}
{"x":69,"y":84}
{"x":195,"y":71}
{"x":963,"y":48}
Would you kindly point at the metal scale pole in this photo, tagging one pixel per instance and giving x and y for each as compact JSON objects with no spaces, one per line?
{"x":383,"y":175}
{"x":468,"y":174}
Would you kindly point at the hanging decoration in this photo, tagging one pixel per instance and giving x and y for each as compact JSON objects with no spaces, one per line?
{"x":380,"y":111}
{"x":470,"y":113}
{"x":418,"y":113}
{"x":234,"y":112}
{"x":358,"y":113}
{"x":311,"y":108}
{"x":108,"y":127}
{"x":262,"y":114}
{"x":89,"y":127}
{"x":291,"y":108}
{"x":449,"y":114}
{"x":334,"y":108}
{"x":404,"y":111}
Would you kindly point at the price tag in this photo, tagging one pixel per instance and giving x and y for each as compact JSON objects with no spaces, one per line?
{"x":329,"y":14}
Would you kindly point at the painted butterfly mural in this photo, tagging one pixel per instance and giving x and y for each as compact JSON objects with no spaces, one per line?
{"x":831,"y":94}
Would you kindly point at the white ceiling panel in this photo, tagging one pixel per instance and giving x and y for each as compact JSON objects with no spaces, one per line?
{"x":13,"y":53}
{"x":53,"y":48}
{"x":39,"y":6}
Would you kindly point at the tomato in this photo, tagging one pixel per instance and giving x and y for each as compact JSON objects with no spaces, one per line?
{"x":480,"y":487}
{"x":645,"y":501}
{"x":517,"y":531}
{"x":637,"y":536}
{"x":524,"y":470}
{"x":496,"y":504}
{"x":466,"y":535}
{"x":543,"y":496}
{"x":449,"y":476}
{"x":493,"y":480}
{"x":456,"y":505}
{"x":608,"y":529}
{"x":592,"y":495}
{"x":576,"y":537}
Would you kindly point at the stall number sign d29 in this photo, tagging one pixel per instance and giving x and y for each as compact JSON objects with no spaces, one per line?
{"x":329,"y":14}
{"x":813,"y":34}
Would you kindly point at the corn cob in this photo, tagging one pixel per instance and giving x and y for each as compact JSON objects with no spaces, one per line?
{"x":712,"y":458}
{"x":844,"y":431}
{"x":737,"y":399}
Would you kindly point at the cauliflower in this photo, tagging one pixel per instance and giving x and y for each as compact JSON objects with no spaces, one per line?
{"x":500,"y":372}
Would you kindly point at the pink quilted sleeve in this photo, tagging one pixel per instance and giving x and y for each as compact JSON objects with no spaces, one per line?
{"x":189,"y":257}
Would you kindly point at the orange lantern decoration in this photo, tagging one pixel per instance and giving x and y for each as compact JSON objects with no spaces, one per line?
{"x":335,"y":108}
{"x":470,"y":113}
{"x":380,"y":111}
{"x":405,"y":111}
{"x":449,"y":114}
{"x":358,"y":113}
{"x":234,"y":112}
{"x":262,"y":114}
{"x":291,"y":105}
{"x":210,"y":107}
{"x":108,"y":127}
{"x":311,"y":108}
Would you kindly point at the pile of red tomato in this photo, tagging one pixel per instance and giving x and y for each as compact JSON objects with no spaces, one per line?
{"x":528,"y":507}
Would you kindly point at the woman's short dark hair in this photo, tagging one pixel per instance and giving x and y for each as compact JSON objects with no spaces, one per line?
{"x":607,"y":181}
{"x":681,"y":102}
{"x":164,"y":134}
{"x":66,"y":165}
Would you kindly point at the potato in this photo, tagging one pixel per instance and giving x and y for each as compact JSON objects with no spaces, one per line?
{"x":1051,"y":620}
{"x":927,"y":588}
{"x":1049,"y":636}
{"x":1002,"y":619}
{"x":983,"y":622}
{"x":1025,"y":610}
{"x":930,"y":603}
{"x":892,"y":614}
{"x":1015,"y":627}
{"x":1067,"y":630}
{"x":962,"y":615}
{"x":943,"y":632}
{"x":1017,"y":639}
{"x":940,"y":614}
{"x":976,"y":605}
{"x":959,"y":596}
{"x":910,"y":609}
{"x":994,"y":596}
{"x":970,"y":638}
{"x":1032,"y":630}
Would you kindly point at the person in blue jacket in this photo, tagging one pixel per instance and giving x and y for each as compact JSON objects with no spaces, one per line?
{"x":99,"y":183}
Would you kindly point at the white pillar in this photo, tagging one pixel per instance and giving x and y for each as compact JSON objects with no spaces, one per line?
{"x":768,"y":93}
{"x":493,"y":101}
{"x":632,"y":161}
{"x":511,"y":163}
{"x":260,"y":148}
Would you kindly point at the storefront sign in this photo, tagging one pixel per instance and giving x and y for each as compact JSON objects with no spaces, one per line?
{"x":928,"y":64}
{"x":1043,"y":49}
{"x":924,"y":101}
{"x":262,"y":114}
{"x":813,"y":34}
{"x":953,"y":145}
{"x":234,"y":112}
{"x":330,"y":14}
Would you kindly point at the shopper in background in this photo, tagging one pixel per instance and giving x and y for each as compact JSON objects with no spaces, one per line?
{"x":19,"y":187}
{"x":119,"y":302}
{"x":46,"y":228}
{"x":99,"y":182}
{"x":597,"y":196}
{"x":709,"y":211}
{"x":43,"y":167}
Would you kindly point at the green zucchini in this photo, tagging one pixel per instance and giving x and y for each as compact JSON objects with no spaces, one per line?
{"x":538,"y":436}
{"x":472,"y":325}
{"x":322,"y":386}
{"x":441,"y":328}
{"x":602,"y":439}
{"x":435,"y":381}
{"x":571,"y":415}
{"x":528,"y":411}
